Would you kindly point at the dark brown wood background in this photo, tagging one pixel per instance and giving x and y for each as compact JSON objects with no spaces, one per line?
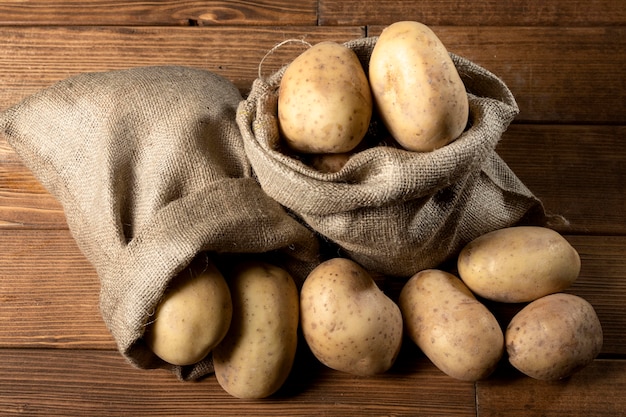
{"x":564,"y":60}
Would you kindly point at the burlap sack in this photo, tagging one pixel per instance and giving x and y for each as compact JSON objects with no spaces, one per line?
{"x":150,"y":169}
{"x":394,"y":211}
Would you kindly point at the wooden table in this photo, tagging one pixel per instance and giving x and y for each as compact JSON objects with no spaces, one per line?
{"x":564,"y":60}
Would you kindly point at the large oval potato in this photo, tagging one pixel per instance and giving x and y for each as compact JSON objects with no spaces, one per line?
{"x":324,"y":100}
{"x":453,"y":329}
{"x":257,"y":354}
{"x":418,"y":92}
{"x":518,"y":264}
{"x":192,"y":317}
{"x":348,"y":322}
{"x":553,"y":337}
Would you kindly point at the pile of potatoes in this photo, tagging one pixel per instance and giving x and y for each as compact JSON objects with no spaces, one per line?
{"x":554,"y":335}
{"x":250,"y":317}
{"x":352,"y":326}
{"x":326,"y":101}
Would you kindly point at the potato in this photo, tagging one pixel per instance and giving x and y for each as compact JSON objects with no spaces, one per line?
{"x":257,"y":354}
{"x":347,"y":321}
{"x":324,"y":101}
{"x":453,"y":329}
{"x":330,"y":162}
{"x":553,"y":337}
{"x":518,"y":264}
{"x":418,"y":92}
{"x":192,"y":317}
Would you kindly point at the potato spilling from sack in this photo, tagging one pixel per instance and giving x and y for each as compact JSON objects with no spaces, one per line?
{"x":453,"y":329}
{"x":325,"y":102}
{"x":192,"y":317}
{"x":348,"y":322}
{"x":554,"y":337}
{"x":418,"y":92}
{"x":257,"y":354}
{"x":518,"y":264}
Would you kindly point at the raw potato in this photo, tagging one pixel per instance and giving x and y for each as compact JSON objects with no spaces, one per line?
{"x":453,"y":329}
{"x":554,"y":337}
{"x":256,"y":356}
{"x":348,"y":322}
{"x":518,"y":264}
{"x":330,"y":162}
{"x":418,"y":92}
{"x":324,"y":102}
{"x":193,"y":316}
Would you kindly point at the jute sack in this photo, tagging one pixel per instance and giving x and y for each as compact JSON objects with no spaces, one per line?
{"x":394,"y":211}
{"x":150,"y":169}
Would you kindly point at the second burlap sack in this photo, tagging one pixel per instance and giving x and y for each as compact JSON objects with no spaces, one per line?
{"x":149,"y":166}
{"x":394,"y":211}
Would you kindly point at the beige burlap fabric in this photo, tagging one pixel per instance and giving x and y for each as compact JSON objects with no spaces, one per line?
{"x":150,"y":168}
{"x":394,"y":211}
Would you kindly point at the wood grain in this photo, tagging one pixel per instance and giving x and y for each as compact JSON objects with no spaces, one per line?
{"x":102,"y":384}
{"x":593,"y":392}
{"x":33,"y":58}
{"x":576,"y":170}
{"x":182,"y":13}
{"x":464,"y":13}
{"x":24,"y":202}
{"x":552,"y":83}
{"x":48,"y":293}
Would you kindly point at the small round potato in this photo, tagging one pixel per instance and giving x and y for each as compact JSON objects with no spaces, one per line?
{"x":453,"y":329}
{"x":553,"y":337}
{"x":257,"y":354}
{"x":348,"y":322}
{"x":518,"y":264}
{"x":417,"y":90}
{"x":192,"y":317}
{"x":324,"y":100}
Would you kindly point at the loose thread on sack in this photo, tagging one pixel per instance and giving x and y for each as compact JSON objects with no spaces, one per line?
{"x":276,"y":47}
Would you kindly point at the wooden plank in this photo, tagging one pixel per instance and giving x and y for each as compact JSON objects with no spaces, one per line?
{"x":32,"y":58}
{"x":602,"y":282}
{"x":48,"y":293}
{"x":185,"y":13}
{"x":557,"y":74}
{"x":596,"y":391}
{"x":576,"y":170}
{"x":24,"y":202}
{"x":484,"y":13}
{"x":37,"y":382}
{"x":553,"y":80}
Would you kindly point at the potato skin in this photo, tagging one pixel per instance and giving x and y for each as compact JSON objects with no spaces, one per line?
{"x":192,"y":317}
{"x":257,"y":354}
{"x":518,"y":264}
{"x":418,"y":92}
{"x":331,"y":162}
{"x":348,"y":322}
{"x":453,"y":329}
{"x":324,"y":100}
{"x":553,"y":337}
